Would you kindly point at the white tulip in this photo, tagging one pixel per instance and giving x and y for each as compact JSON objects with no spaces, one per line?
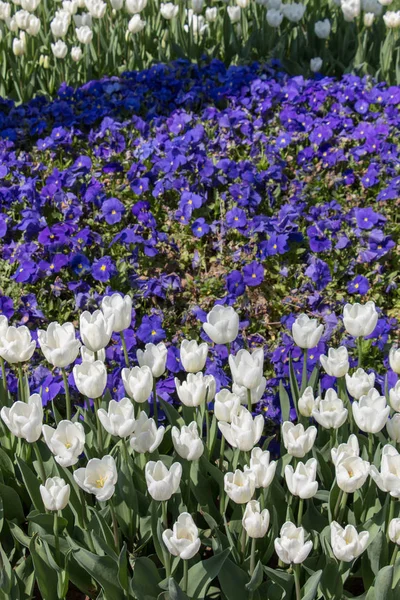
{"x":82,"y":20}
{"x":84,"y":34}
{"x":368,"y":19}
{"x":146,"y":437}
{"x":59,"y":26}
{"x":350,"y":448}
{"x":371,"y":412}
{"x":90,"y":378}
{"x":196,"y":23}
{"x":138,"y":383}
{"x":290,"y":547}
{"x":162,"y":483}
{"x":330,"y":411}
{"x":76,"y":55}
{"x":322,"y":29}
{"x":385,"y":2}
{"x":55,"y":493}
{"x":211,"y":14}
{"x":294,"y":12}
{"x":394,"y":395}
{"x":226,"y":405}
{"x":306,"y":402}
{"x":70,"y":6}
{"x":197,"y":6}
{"x":394,"y":531}
{"x":19,"y":45}
{"x":346,"y":543}
{"x":392,"y":19}
{"x":360,"y":383}
{"x":316,"y":64}
{"x":222,"y":325}
{"x":193,"y":356}
{"x":24,"y":419}
{"x":302,"y":481}
{"x":336,"y":364}
{"x":255,"y":393}
{"x":30,"y":5}
{"x":187,"y":441}
{"x":119,"y":420}
{"x":350,"y":9}
{"x":393,"y":427}
{"x":155,"y":357}
{"x":96,"y":329}
{"x":394,"y":359}
{"x":274,"y":17}
{"x":22,"y":18}
{"x":16,"y":344}
{"x":135,"y":6}
{"x":169,"y":10}
{"x":255,"y":521}
{"x":351,"y":473}
{"x":234,"y":13}
{"x":99,"y":477}
{"x":194,"y":391}
{"x":388,"y":479}
{"x":243,"y":431}
{"x":306,"y":332}
{"x":372,"y":6}
{"x":246,"y":368}
{"x":297,"y":440}
{"x":243,"y":3}
{"x":34,"y":25}
{"x":120,"y":307}
{"x":183,"y":540}
{"x":262,"y":467}
{"x":5,"y":11}
{"x":59,"y":344}
{"x":360,"y":319}
{"x":136,"y":24}
{"x":240,"y":486}
{"x":97,"y":8}
{"x":66,"y":442}
{"x":88,"y":356}
{"x":117,"y":4}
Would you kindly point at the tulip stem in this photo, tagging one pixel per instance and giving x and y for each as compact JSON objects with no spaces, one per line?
{"x":115,"y":526}
{"x":337,"y":505}
{"x":394,"y":555}
{"x":155,"y":407}
{"x":391,"y":515}
{"x":124,"y":348}
{"x":3,"y":376}
{"x":98,"y":425}
{"x":300,"y":512}
{"x":207,"y":418}
{"x":56,"y":538}
{"x":39,"y":458}
{"x":222,"y":453}
{"x":304,"y":374}
{"x":185,"y":575}
{"x":359,"y":350}
{"x":67,"y":394}
{"x":296,"y":570}
{"x":371,"y":446}
{"x":164,"y":505}
{"x":21,"y":383}
{"x":249,"y":404}
{"x":342,"y":507}
{"x":253,"y":556}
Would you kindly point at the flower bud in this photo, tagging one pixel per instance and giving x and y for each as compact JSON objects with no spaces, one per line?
{"x":255,"y":521}
{"x":360,"y":319}
{"x":55,"y":493}
{"x":262,"y":468}
{"x":119,"y":307}
{"x":360,"y":383}
{"x":155,"y":357}
{"x":138,"y":383}
{"x":306,"y":332}
{"x":336,"y":364}
{"x":394,"y":531}
{"x":226,"y":405}
{"x":90,"y":378}
{"x":96,"y":329}
{"x":302,"y":481}
{"x":246,"y":368}
{"x":162,"y":483}
{"x":306,"y":402}
{"x":187,"y":442}
{"x":193,"y":356}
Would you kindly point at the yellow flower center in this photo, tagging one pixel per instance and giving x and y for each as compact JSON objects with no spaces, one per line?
{"x":101,"y":481}
{"x":103,"y":268}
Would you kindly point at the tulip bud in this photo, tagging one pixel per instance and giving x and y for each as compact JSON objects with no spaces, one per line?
{"x":371,"y":412}
{"x":316,"y":64}
{"x":59,"y":49}
{"x":255,"y":521}
{"x":183,"y":540}
{"x":99,"y":477}
{"x":59,"y":344}
{"x":393,"y":427}
{"x":388,"y":479}
{"x":246,"y":368}
{"x":55,"y":493}
{"x":360,"y":383}
{"x":155,"y":357}
{"x":66,"y":442}
{"x":90,"y":378}
{"x":161,"y":482}
{"x":234,"y":13}
{"x":16,"y":345}
{"x":306,"y":332}
{"x":262,"y":468}
{"x":146,"y":436}
{"x":346,"y":543}
{"x":351,"y":473}
{"x":211,"y":14}
{"x":193,"y":356}
{"x":336,"y":364}
{"x":394,"y":531}
{"x":76,"y":53}
{"x":222,"y":325}
{"x":136,"y":24}
{"x":84,"y":34}
{"x":226,"y":405}
{"x":96,"y":329}
{"x":120,"y":418}
{"x":322,"y":29}
{"x":194,"y":391}
{"x":369,"y":18}
{"x":290,"y":547}
{"x":240,"y":486}
{"x":119,"y":307}
{"x":360,"y":319}
{"x":330,"y":412}
{"x":297,"y":440}
{"x":138,"y":383}
{"x":169,"y":10}
{"x":274,"y":17}
{"x":24,"y":419}
{"x":302,"y":481}
{"x":187,"y":442}
{"x":306,"y":402}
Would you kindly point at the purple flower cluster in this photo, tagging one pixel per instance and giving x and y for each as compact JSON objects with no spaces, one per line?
{"x":182,"y":185}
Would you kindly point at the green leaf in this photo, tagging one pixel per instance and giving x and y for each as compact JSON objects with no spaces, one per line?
{"x":310,"y":589}
{"x":201,"y":575}
{"x":32,"y":484}
{"x":12,"y":504}
{"x":174,"y":418}
{"x":146,"y":578}
{"x":383,"y":584}
{"x":175,"y":591}
{"x":25,"y":575}
{"x":1,"y":514}
{"x":6,"y":465}
{"x":46,"y":577}
{"x":284,"y":402}
{"x":125,"y":500}
{"x":331,"y":582}
{"x":233,"y":581}
{"x":123,"y":571}
{"x":256,"y":579}
{"x":282,"y":578}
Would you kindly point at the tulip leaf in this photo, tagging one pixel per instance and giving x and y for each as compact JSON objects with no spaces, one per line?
{"x":123,"y":571}
{"x":377,"y":552}
{"x":1,"y":514}
{"x":46,"y":576}
{"x":256,"y":578}
{"x":103,"y":531}
{"x":25,"y":575}
{"x":282,"y":578}
{"x":331,"y":581}
{"x":383,"y":584}
{"x":234,"y":581}
{"x":202,"y":574}
{"x":175,"y":592}
{"x":146,"y":578}
{"x":12,"y":504}
{"x":310,"y":589}
{"x":126,"y":500}
{"x":284,"y":402}
{"x":6,"y":465}
{"x":174,"y":418}
{"x":43,"y":523}
{"x":6,"y":573}
{"x":32,"y":484}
